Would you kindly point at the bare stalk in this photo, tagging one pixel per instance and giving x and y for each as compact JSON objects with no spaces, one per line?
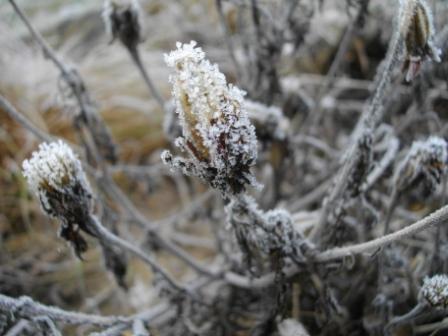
{"x":135,"y":56}
{"x":371,"y":117}
{"x":6,"y":106}
{"x":105,"y":235}
{"x":436,"y":218}
{"x":25,"y":307}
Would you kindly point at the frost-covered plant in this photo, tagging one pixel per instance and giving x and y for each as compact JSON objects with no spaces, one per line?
{"x":419,"y":39}
{"x":435,"y":291}
{"x":265,"y":236}
{"x":123,"y":21}
{"x":217,"y":133}
{"x":425,"y":163}
{"x":55,"y":175}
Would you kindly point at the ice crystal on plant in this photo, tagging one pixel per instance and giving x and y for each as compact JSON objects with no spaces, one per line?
{"x":56,"y":176}
{"x":426,"y":161}
{"x":435,"y":290}
{"x":217,"y":133}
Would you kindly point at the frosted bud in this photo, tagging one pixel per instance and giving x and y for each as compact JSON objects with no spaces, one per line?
{"x":122,"y":20}
{"x":217,"y":133}
{"x":55,"y":175}
{"x":418,"y":39}
{"x":425,"y":162}
{"x":435,"y":291}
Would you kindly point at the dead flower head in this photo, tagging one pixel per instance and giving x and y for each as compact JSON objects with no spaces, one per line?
{"x":123,"y":21}
{"x":217,"y":133}
{"x":419,"y":40}
{"x":55,"y":175}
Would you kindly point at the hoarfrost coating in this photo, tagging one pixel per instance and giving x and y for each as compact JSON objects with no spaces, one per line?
{"x":216,"y":129}
{"x":54,"y":166}
{"x":435,"y":290}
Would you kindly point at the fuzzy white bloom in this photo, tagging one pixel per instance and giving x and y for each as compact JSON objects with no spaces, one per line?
{"x":435,"y":290}
{"x":215,"y":125}
{"x":54,"y":168}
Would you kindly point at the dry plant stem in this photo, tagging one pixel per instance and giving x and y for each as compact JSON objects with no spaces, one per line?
{"x":135,"y":56}
{"x":150,"y":228}
{"x":22,"y":120}
{"x":66,"y":71}
{"x":115,"y":191}
{"x":228,"y":38}
{"x":25,"y":307}
{"x":48,"y":51}
{"x":332,"y":72}
{"x":381,"y":167}
{"x":371,"y":117}
{"x":106,"y":235}
{"x":431,"y":327}
{"x":67,"y":76}
{"x":399,"y":320}
{"x":436,"y":218}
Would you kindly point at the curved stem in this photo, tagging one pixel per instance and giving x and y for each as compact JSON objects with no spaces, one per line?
{"x":435,"y":218}
{"x":105,"y":235}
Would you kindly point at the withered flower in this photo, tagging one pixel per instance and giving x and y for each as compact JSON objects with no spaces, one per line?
{"x":419,"y":40}
{"x":123,"y":21}
{"x":425,"y":164}
{"x":217,"y":133}
{"x":55,"y":175}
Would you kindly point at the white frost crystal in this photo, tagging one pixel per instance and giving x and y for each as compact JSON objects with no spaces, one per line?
{"x":54,"y":168}
{"x":216,"y":129}
{"x":435,"y":290}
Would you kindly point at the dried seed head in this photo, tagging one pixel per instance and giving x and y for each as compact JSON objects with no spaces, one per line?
{"x":435,"y":291}
{"x":262,"y":235}
{"x":425,"y":162}
{"x":216,"y":130}
{"x":418,"y":39}
{"x":123,"y":21}
{"x":56,"y":176}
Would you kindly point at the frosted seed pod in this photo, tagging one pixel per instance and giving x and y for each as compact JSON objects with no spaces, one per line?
{"x":419,"y":40}
{"x":55,"y":175}
{"x":217,"y":133}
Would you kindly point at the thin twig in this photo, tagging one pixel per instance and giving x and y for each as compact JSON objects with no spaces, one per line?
{"x":105,"y":235}
{"x":25,"y":307}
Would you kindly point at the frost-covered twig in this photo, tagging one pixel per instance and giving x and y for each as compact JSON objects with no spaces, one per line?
{"x":25,"y":307}
{"x":124,"y":22}
{"x":22,"y":120}
{"x":436,"y":218}
{"x":105,"y":235}
{"x":374,"y":112}
{"x":88,"y":114}
{"x":151,"y":228}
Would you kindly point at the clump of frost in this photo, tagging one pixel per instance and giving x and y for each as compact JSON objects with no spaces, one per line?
{"x":55,"y":175}
{"x":435,"y":291}
{"x":54,"y":168}
{"x":217,"y":134}
{"x":262,"y":235}
{"x":425,"y":162}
